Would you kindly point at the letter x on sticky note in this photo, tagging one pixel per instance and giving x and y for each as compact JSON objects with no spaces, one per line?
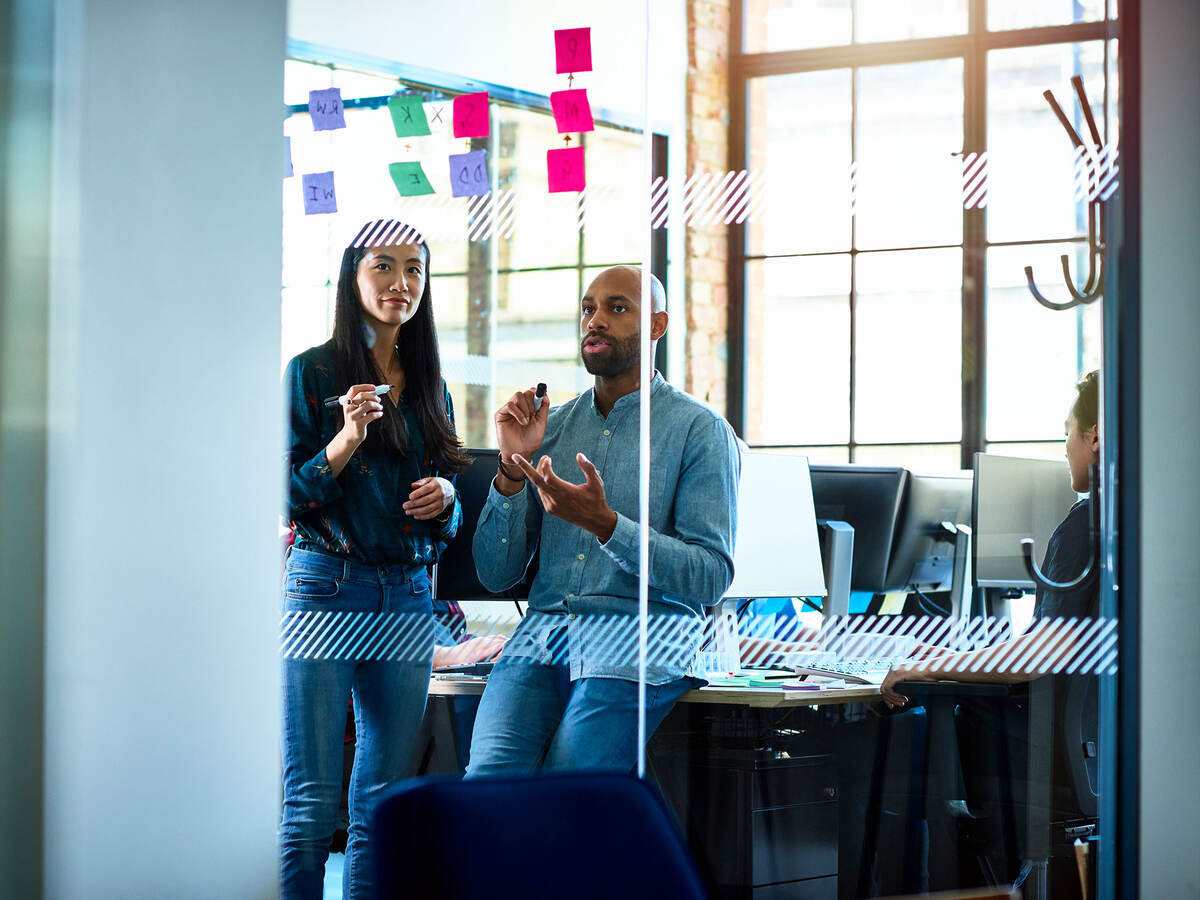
{"x":318,"y":193}
{"x":409,"y":179}
{"x":469,"y":174}
{"x":325,"y":108}
{"x":471,"y":115}
{"x":408,"y":115}
{"x":572,"y":50}
{"x":564,"y":170}
{"x":572,"y":112}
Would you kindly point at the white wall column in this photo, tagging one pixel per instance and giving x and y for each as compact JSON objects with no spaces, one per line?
{"x":164,"y":484}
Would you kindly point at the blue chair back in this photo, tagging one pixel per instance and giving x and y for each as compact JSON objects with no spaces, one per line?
{"x":579,"y":835}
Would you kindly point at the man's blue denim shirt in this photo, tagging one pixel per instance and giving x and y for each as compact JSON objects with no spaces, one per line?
{"x":592,"y":588}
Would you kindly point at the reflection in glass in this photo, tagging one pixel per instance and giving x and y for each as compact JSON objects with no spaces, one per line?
{"x":798,"y":134}
{"x":898,"y":20}
{"x":909,"y":190}
{"x":798,"y":350}
{"x":908,"y":356}
{"x":1034,"y":355}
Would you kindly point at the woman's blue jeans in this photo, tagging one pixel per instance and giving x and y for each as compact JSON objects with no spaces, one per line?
{"x":348,"y":629}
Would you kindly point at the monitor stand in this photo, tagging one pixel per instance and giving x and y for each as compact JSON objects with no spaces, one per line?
{"x":837,"y":559}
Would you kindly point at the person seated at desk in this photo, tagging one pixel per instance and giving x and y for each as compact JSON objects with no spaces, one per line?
{"x":1051,"y":638}
{"x":565,"y":695}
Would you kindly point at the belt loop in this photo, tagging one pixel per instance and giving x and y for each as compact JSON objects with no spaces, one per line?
{"x":345,"y":570}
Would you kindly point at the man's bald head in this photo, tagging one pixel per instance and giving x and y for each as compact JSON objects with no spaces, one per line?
{"x":631,"y":276}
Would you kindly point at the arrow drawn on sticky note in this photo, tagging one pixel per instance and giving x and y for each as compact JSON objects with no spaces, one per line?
{"x":471,"y":119}
{"x":564,"y":170}
{"x":408,"y":115}
{"x":325,"y":108}
{"x":572,"y":50}
{"x":319,"y":195}
{"x":572,"y":112}
{"x":409,"y":179}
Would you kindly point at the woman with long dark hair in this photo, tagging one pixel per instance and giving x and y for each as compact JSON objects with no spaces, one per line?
{"x":372,"y":458}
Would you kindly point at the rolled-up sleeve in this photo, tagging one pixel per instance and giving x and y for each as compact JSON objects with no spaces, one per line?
{"x":310,"y":481}
{"x":505,"y":538}
{"x":697,"y":561}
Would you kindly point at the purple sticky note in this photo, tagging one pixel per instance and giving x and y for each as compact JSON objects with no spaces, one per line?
{"x":318,"y":193}
{"x":572,"y":112}
{"x":288,"y":172}
{"x":564,"y":169}
{"x":572,"y":50}
{"x":469,"y":174}
{"x":325,"y":107}
{"x":471,"y":115}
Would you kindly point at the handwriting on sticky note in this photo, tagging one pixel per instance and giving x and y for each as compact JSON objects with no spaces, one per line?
{"x":564,"y":170}
{"x":326,"y":110}
{"x":469,"y":174}
{"x":408,"y":115}
{"x":572,"y":112}
{"x":319,"y":196}
{"x":471,"y":115}
{"x":409,"y":179}
{"x":572,"y":50}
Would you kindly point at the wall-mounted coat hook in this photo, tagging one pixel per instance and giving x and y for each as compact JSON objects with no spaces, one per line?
{"x":1092,"y":570}
{"x":1093,"y":286}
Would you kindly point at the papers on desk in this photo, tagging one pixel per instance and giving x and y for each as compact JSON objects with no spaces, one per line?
{"x":787,"y":684}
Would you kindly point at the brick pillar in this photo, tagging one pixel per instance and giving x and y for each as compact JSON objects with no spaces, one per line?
{"x":706,"y":249}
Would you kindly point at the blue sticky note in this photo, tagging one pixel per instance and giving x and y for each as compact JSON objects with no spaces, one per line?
{"x":287,"y":157}
{"x":469,"y":174}
{"x":325,"y":108}
{"x":318,"y":193}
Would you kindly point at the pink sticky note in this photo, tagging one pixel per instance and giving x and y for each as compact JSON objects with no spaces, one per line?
{"x":471,"y":115}
{"x":572,"y":112}
{"x":564,"y":169}
{"x":572,"y":50}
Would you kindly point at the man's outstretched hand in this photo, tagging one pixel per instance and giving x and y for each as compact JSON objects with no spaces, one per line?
{"x":584,"y":504}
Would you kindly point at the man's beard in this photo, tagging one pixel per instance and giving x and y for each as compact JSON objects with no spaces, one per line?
{"x":621,"y":356}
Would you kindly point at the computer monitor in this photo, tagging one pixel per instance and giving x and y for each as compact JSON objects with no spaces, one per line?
{"x":869,"y":498}
{"x":1015,"y":498}
{"x":776,"y":553}
{"x":454,"y":575}
{"x":923,"y":550}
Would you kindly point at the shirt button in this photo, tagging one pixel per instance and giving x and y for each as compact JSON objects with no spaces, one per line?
{"x":581,"y":557}
{"x":607,"y":432}
{"x":504,"y":540}
{"x":571,"y":615}
{"x":570,"y":596}
{"x":507,"y":505}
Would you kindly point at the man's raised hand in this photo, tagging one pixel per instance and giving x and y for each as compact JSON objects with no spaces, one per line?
{"x":584,"y":504}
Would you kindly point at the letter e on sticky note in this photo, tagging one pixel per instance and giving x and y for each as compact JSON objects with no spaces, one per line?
{"x":572,"y":50}
{"x":572,"y":112}
{"x":325,"y":108}
{"x":469,"y":174}
{"x":409,"y":179}
{"x":564,"y":170}
{"x":471,"y":115}
{"x":319,"y":196}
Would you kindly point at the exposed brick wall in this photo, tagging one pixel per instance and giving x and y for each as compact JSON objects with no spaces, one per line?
{"x":706,"y":250}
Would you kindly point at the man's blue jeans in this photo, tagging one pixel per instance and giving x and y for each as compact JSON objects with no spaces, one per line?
{"x":349,"y":628}
{"x":533,"y":716}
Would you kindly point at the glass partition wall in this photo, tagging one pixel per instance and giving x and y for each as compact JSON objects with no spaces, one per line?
{"x":840,"y":200}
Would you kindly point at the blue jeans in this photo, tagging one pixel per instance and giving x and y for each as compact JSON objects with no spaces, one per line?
{"x":532,"y":715}
{"x":348,"y":628}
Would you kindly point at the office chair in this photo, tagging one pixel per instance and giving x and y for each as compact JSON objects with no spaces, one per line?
{"x":579,"y":835}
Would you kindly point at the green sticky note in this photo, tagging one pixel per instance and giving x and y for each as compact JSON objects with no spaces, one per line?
{"x":409,"y":179}
{"x":408,"y":116}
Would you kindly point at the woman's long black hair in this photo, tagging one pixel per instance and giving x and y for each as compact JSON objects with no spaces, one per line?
{"x":417,"y":353}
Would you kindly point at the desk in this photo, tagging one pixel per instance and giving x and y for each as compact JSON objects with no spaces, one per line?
{"x":753,"y":697}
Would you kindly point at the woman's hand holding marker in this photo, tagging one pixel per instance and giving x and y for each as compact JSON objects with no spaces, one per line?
{"x":360,"y":406}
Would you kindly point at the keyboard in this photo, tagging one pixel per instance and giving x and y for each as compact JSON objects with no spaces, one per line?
{"x":479,"y":669}
{"x":856,"y":671}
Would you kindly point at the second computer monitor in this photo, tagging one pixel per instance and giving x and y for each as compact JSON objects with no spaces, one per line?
{"x":923,"y":550}
{"x":869,"y":498}
{"x":1015,"y":498}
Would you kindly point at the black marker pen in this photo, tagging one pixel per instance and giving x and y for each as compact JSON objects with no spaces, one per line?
{"x":539,"y":395}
